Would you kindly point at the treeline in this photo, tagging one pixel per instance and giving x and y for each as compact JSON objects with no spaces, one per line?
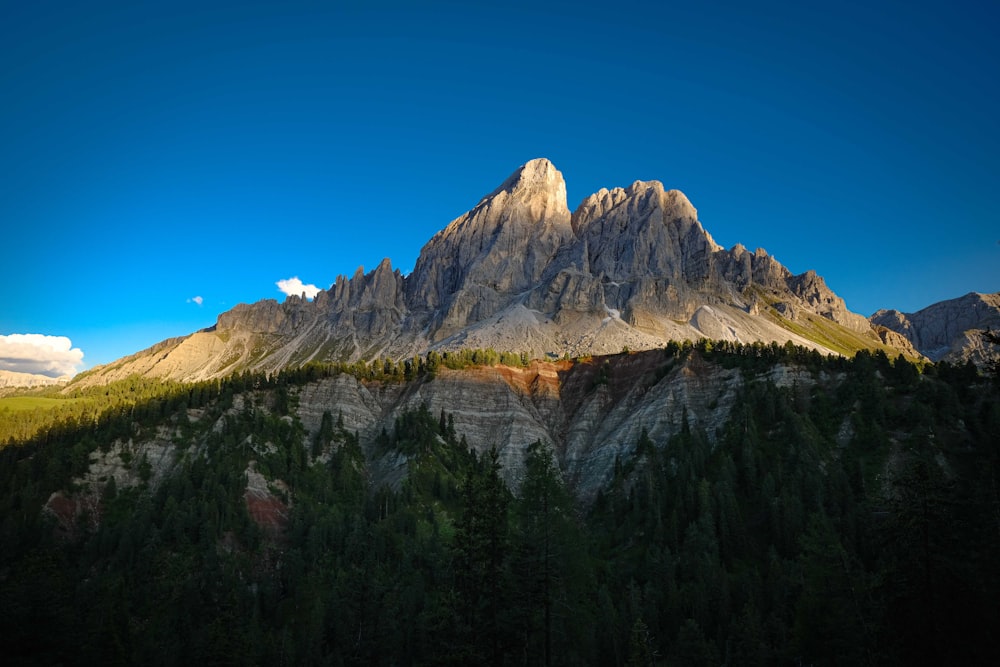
{"x":144,"y":399}
{"x":407,"y":369}
{"x":155,"y":397}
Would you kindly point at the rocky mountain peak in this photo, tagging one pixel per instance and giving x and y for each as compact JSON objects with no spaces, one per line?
{"x":812,"y":289}
{"x":631,"y":267}
{"x":641,"y":198}
{"x":468,"y":270}
{"x":644,"y":188}
{"x":596,"y":205}
{"x":537,"y":188}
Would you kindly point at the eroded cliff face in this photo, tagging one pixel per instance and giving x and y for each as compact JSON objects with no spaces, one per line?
{"x":631,"y":267}
{"x":591,"y":411}
{"x":145,"y":459}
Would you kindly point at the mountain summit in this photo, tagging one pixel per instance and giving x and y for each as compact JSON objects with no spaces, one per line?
{"x":629,"y":268}
{"x":470,"y":270}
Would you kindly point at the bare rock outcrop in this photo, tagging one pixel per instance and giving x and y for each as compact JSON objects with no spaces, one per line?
{"x":812,"y":289}
{"x":897,"y":340}
{"x":590,"y":411}
{"x":473,"y":268}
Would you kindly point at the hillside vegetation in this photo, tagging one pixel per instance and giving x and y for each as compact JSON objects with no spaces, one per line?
{"x":853,"y":518}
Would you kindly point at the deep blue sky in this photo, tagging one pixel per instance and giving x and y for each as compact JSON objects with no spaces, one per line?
{"x":149,"y":155}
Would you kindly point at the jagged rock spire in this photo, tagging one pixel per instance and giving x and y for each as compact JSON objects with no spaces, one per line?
{"x":501,"y":247}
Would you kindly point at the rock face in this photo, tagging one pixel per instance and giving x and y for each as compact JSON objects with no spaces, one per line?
{"x":631,"y":267}
{"x":127,"y":463}
{"x":948,"y":330}
{"x":474,"y":267}
{"x":590,"y":411}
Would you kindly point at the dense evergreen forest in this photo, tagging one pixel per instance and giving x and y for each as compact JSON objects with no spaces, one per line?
{"x":851,"y":521}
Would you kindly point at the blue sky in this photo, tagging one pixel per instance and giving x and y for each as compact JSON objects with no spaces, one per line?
{"x":158,"y":152}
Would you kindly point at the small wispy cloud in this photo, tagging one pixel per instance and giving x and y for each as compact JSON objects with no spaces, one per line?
{"x":196,"y":299}
{"x":53,"y":356}
{"x":294,"y":286}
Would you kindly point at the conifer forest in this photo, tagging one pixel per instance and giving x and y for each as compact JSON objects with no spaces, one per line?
{"x":853,"y":520}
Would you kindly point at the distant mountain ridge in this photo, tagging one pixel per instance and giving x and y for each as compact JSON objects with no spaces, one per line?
{"x":949,"y":330}
{"x":630,"y":268}
{"x":26,"y":380}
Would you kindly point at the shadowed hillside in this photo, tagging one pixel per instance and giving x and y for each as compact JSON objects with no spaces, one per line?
{"x":698,"y":504}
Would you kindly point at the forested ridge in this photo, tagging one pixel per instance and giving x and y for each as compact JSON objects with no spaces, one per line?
{"x":853,"y":519}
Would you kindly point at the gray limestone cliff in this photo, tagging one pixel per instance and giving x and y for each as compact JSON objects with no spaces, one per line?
{"x":591,"y":412}
{"x":476,"y":265}
{"x":630,"y":268}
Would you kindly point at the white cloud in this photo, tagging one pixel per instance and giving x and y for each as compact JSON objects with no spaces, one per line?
{"x":196,"y":299}
{"x":53,"y":356}
{"x":293,"y":286}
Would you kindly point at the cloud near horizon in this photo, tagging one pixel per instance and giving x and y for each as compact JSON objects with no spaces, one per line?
{"x":53,"y":356}
{"x":294,"y":286}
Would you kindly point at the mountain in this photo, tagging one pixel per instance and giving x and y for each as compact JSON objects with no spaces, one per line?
{"x":699,"y":501}
{"x":629,"y":268}
{"x":15,"y":379}
{"x":948,"y":330}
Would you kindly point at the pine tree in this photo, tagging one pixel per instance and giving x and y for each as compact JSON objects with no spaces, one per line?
{"x":546,"y":538}
{"x":481,"y":558}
